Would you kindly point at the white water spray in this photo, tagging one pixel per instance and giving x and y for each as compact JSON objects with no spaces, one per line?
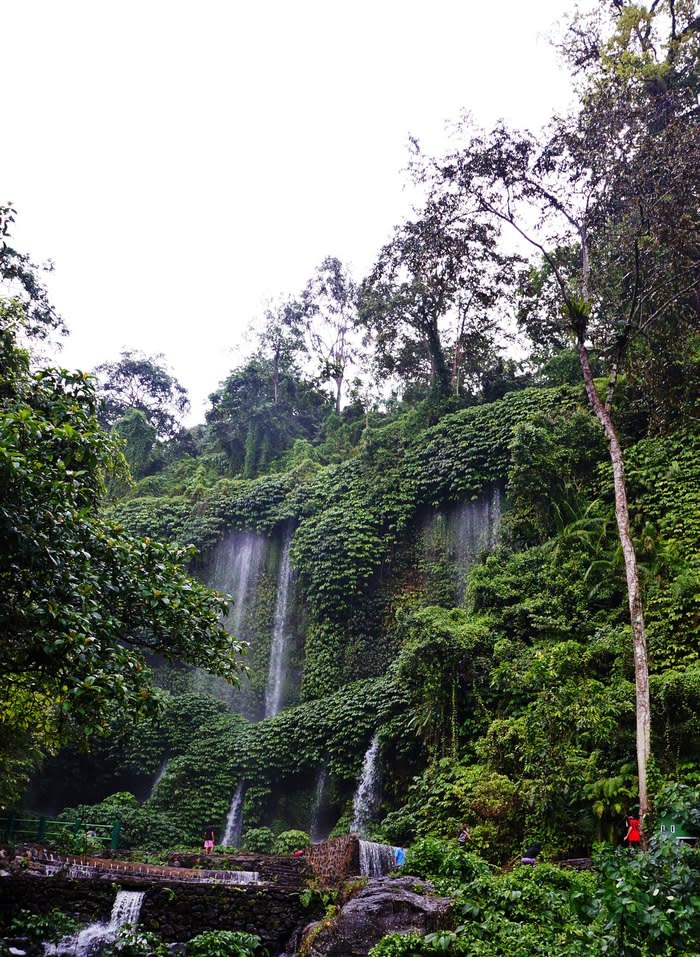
{"x":280,"y":633}
{"x":366,"y":800}
{"x":234,"y":821}
{"x":315,"y":828}
{"x":126,"y":910}
{"x":376,"y":860}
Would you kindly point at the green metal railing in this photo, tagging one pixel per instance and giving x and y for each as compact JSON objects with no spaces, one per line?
{"x":40,"y":830}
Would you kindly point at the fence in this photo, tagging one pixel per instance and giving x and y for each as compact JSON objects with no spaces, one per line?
{"x":41,"y":830}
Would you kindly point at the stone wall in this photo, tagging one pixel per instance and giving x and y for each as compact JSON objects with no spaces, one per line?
{"x":282,"y":869}
{"x":177,"y":911}
{"x":335,"y":860}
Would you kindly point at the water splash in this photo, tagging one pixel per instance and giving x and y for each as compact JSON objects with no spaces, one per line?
{"x":90,"y":940}
{"x":280,"y":633}
{"x":366,"y":800}
{"x":234,"y":821}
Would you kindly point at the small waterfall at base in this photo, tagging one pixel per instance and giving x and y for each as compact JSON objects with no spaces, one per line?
{"x":126,"y":910}
{"x":366,"y":800}
{"x":280,"y":633}
{"x":315,"y":827}
{"x":376,"y":860}
{"x":234,"y":821}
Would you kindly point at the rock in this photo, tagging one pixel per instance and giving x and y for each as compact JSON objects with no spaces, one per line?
{"x":384,"y":906}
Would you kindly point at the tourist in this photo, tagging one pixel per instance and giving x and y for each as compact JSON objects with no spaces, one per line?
{"x":399,"y":856}
{"x":530,"y":855}
{"x":634,"y":832}
{"x":463,"y":836}
{"x":209,"y":841}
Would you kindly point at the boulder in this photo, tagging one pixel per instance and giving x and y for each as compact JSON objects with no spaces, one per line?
{"x":383,"y":906}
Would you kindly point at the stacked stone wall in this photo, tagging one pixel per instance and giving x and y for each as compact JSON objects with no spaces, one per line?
{"x":335,"y":860}
{"x":177,"y":912}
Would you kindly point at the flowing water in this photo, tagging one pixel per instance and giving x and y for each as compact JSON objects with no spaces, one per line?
{"x":366,"y":800}
{"x":280,"y":633}
{"x":234,"y":821}
{"x":236,"y":568}
{"x":159,"y":776}
{"x":126,"y":910}
{"x":317,"y":835}
{"x":376,"y":860}
{"x":460,"y":534}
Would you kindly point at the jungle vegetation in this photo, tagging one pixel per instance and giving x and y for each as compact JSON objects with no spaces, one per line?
{"x":560,"y":686}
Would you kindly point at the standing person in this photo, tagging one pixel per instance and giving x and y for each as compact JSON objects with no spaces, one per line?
{"x":463,"y":836}
{"x":209,"y":840}
{"x":634,"y":831}
{"x":399,"y":856}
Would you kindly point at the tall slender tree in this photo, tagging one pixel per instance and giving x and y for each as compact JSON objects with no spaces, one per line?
{"x":609,"y":199}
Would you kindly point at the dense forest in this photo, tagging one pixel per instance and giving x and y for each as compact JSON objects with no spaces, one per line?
{"x":392,"y":536}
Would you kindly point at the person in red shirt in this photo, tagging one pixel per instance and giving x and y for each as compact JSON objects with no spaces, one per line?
{"x":634,"y":833}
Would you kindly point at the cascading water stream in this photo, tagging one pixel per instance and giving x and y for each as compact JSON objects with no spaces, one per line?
{"x":376,"y":860}
{"x":234,"y":821}
{"x":280,"y":633}
{"x":159,"y":776}
{"x":315,"y":826}
{"x":126,"y":910}
{"x":366,"y":800}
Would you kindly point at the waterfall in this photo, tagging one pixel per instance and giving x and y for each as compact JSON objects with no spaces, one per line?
{"x":315,"y":828}
{"x":366,"y":798}
{"x":461,"y":533}
{"x":280,"y":633}
{"x":235,"y":569}
{"x":376,"y":860}
{"x":237,"y":564}
{"x":90,"y":940}
{"x":159,"y":776}
{"x":234,"y":821}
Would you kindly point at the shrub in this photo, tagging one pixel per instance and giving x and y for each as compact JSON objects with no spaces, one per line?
{"x":259,"y":840}
{"x":225,"y":943}
{"x":289,"y":841}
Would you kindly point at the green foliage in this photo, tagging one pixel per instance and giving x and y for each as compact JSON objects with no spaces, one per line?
{"x":225,"y":943}
{"x":260,"y":410}
{"x":646,"y":903}
{"x":133,"y":942}
{"x":44,"y":928}
{"x":258,"y":840}
{"x":289,"y":841}
{"x":80,"y":600}
{"x":141,"y":384}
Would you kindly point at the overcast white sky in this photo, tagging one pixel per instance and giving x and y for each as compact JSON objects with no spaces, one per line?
{"x":181,"y":162}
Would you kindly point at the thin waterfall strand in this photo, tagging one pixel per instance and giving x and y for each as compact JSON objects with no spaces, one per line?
{"x":366,"y":800}
{"x":280,"y":634}
{"x":234,"y":821}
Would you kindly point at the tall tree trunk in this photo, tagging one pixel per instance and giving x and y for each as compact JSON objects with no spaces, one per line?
{"x":440,"y":385}
{"x":634,"y":594}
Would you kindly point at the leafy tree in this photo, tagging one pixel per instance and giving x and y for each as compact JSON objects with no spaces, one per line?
{"x":281,"y":341}
{"x":442,"y":263}
{"x":328,"y":306}
{"x":80,"y":600}
{"x":137,"y":381}
{"x":20,"y":279}
{"x":259,"y":412}
{"x":601,"y":199}
{"x":139,"y":437}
